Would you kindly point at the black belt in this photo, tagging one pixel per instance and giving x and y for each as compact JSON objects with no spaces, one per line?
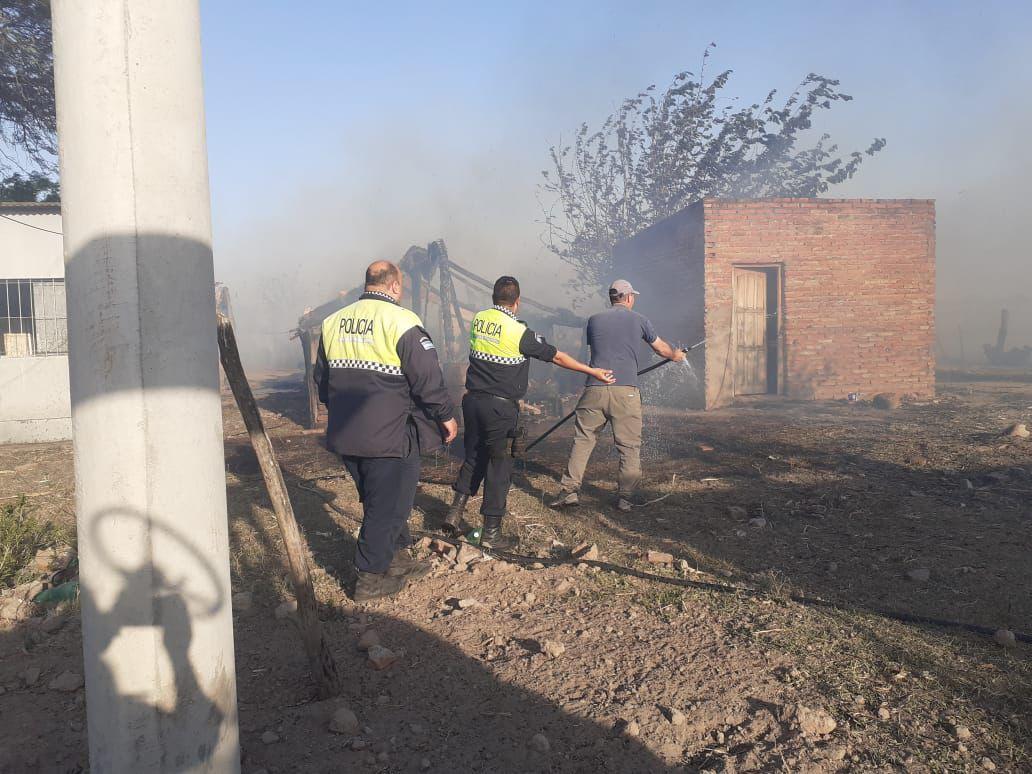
{"x":478,"y":394}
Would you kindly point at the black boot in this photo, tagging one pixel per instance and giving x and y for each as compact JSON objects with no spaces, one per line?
{"x":492,"y":536}
{"x":452,"y":524}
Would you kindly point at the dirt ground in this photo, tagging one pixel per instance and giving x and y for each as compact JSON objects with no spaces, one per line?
{"x":794,"y":528}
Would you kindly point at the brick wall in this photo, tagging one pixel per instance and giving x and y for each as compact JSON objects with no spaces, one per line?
{"x":858,"y":292}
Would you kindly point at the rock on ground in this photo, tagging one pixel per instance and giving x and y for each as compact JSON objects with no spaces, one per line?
{"x":919,"y":574}
{"x":552,"y":649}
{"x":586,"y":551}
{"x":369,"y":639}
{"x":539,"y":743}
{"x":814,"y":722}
{"x":658,"y":557}
{"x":67,"y":682}
{"x":344,"y":721}
{"x":286,"y":609}
{"x":1005,"y":637}
{"x":381,"y":657}
{"x":1017,"y":430}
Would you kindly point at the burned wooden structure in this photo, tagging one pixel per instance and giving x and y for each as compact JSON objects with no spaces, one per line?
{"x":430,"y":290}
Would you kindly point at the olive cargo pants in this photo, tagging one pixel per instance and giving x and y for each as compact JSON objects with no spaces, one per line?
{"x":598,"y":405}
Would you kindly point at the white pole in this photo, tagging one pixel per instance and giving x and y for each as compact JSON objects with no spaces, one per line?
{"x":146,"y":414}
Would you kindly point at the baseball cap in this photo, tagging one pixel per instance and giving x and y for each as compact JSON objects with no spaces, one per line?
{"x":622,"y":288}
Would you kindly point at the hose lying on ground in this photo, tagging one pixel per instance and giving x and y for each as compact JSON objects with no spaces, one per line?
{"x":894,"y":615}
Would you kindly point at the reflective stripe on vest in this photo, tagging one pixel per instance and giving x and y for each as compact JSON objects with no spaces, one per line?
{"x":494,"y":336}
{"x":364,"y":335}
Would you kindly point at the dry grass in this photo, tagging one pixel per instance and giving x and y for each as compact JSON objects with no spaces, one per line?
{"x":22,"y":534}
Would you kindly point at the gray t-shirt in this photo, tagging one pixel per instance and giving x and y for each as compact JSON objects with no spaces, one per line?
{"x":615,"y":337}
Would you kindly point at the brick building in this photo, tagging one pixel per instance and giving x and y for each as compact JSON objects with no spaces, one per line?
{"x":808,"y":298}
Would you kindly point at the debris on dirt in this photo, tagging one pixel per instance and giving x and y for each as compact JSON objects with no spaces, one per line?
{"x":1017,"y":430}
{"x":552,"y":649}
{"x":658,"y":557}
{"x":987,"y":764}
{"x":530,"y":598}
{"x":31,"y":676}
{"x":67,"y":682}
{"x":380,"y":657}
{"x":539,"y":743}
{"x":674,"y":715}
{"x":887,"y":401}
{"x":344,"y":722}
{"x":586,"y":551}
{"x":14,"y":608}
{"x":919,"y":574}
{"x":629,"y":728}
{"x":563,"y":587}
{"x":812,"y":722}
{"x":467,"y":554}
{"x":53,"y":623}
{"x":884,"y":714}
{"x":243,"y":601}
{"x":270,"y":737}
{"x":737,"y":511}
{"x":1005,"y":637}
{"x":962,"y":733}
{"x":759,"y":522}
{"x":286,"y":609}
{"x":369,"y":639}
{"x":464,"y":604}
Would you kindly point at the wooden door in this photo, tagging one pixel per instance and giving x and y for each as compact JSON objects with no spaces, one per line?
{"x":750,"y":297}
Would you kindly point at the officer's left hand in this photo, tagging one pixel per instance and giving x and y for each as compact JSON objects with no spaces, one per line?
{"x":451,"y":430}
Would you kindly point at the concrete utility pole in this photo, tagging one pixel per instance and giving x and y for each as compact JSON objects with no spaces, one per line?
{"x":143,"y":357}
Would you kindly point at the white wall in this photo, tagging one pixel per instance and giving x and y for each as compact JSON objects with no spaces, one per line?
{"x":34,"y":397}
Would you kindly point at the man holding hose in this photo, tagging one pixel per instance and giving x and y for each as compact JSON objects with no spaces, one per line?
{"x":613,"y":336}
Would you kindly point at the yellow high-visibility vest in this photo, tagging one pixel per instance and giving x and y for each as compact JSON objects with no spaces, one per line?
{"x":364,"y":335}
{"x":494,"y":336}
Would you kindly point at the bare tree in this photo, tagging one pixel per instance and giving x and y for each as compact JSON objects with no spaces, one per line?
{"x":661,"y":151}
{"x":27,"y":119}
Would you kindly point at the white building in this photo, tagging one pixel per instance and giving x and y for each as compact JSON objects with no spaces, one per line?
{"x":34,"y":399}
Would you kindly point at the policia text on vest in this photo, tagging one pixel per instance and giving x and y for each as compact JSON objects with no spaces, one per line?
{"x":379,"y":376}
{"x":499,"y":369}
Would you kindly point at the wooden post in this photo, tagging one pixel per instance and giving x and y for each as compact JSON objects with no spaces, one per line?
{"x":324,"y":667}
{"x":307,"y":349}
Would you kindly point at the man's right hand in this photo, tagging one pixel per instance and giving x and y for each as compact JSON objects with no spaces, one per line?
{"x":450,"y":430}
{"x":679,"y":355}
{"x":603,"y":375}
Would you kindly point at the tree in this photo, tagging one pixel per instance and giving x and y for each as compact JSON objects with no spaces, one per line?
{"x":28,"y":136}
{"x":29,"y":188}
{"x":660,"y":152}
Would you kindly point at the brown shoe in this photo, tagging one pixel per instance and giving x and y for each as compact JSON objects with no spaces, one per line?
{"x":405,"y":565}
{"x":375,"y":585}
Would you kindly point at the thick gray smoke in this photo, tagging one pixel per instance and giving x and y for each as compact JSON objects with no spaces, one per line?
{"x":401,"y":185}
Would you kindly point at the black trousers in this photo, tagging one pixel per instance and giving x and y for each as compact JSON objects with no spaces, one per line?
{"x":387,"y":489}
{"x":489,"y":423}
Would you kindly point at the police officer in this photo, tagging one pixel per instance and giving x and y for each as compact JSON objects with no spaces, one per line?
{"x":499,"y":346}
{"x":380,"y":379}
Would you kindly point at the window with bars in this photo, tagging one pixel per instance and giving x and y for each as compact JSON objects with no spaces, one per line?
{"x":33,"y":318}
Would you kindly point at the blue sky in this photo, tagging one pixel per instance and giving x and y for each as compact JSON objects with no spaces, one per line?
{"x":351,"y":131}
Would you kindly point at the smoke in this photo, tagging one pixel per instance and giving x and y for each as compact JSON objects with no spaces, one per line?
{"x":470,"y":175}
{"x":389,"y":190}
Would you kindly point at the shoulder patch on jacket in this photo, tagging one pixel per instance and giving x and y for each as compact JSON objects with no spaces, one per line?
{"x":427,"y":344}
